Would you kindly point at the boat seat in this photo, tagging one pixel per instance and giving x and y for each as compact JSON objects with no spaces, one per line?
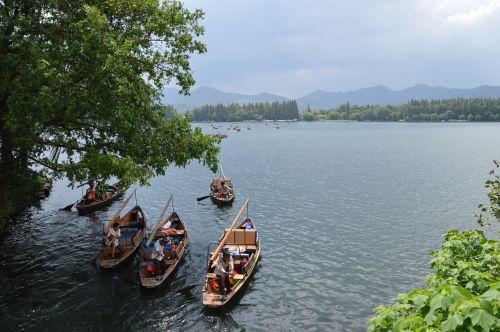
{"x":241,"y":236}
{"x":246,"y":249}
{"x":125,"y":240}
{"x":129,"y":230}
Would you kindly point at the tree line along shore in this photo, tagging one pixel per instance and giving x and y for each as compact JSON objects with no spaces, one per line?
{"x":454,"y":110}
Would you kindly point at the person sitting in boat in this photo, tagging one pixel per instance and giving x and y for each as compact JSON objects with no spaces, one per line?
{"x":223,"y":269}
{"x":248,"y":224}
{"x":90,"y":194}
{"x":158,"y":257}
{"x":173,"y":247}
{"x":112,"y":238}
{"x":224,"y":190}
{"x":170,"y":222}
{"x":112,"y":189}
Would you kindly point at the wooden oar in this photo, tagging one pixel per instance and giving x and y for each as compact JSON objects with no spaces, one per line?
{"x":203,"y":197}
{"x":117,"y":215}
{"x":153,"y":231}
{"x":69,"y":207}
{"x":222,"y":171}
{"x":223,"y":240}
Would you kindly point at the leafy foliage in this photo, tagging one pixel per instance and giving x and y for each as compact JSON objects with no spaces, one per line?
{"x":462,"y":294}
{"x":475,"y":109}
{"x":84,"y":77}
{"x":286,"y":110}
{"x":493,"y":185}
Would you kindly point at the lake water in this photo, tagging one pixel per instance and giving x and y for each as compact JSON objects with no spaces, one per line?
{"x":346,"y":213}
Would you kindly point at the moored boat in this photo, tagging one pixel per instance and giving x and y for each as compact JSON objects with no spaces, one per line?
{"x":243,"y":244}
{"x":112,"y":194}
{"x":132,"y":227}
{"x":173,"y":231}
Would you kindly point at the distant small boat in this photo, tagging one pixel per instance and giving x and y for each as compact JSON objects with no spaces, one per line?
{"x":219,"y":135}
{"x":244,"y":245}
{"x":177,"y":235}
{"x":132,"y":228}
{"x":114,"y":192}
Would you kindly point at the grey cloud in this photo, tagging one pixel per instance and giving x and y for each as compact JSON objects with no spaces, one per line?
{"x":293,"y":47}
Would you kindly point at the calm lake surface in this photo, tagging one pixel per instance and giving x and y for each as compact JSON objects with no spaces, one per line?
{"x":346,"y":214}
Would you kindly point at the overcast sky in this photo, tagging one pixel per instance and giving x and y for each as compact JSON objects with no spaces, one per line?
{"x":293,"y":47}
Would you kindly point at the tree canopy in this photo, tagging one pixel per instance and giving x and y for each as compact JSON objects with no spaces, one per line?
{"x":456,"y":109}
{"x":84,"y":78}
{"x":286,"y":110}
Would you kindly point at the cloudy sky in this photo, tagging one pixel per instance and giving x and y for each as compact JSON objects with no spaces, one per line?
{"x":293,"y":47}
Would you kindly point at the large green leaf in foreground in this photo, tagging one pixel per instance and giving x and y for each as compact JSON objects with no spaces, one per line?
{"x":462,"y":294}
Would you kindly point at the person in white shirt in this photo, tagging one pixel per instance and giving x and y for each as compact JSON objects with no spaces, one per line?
{"x":112,"y":238}
{"x":157,"y":256}
{"x":223,"y":269}
{"x":248,"y":224}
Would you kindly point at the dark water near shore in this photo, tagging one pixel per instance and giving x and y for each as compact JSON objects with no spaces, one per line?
{"x":346,"y":214}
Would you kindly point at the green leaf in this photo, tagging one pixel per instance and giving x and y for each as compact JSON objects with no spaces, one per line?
{"x":491,"y":294}
{"x":459,"y":293}
{"x":482,"y":318}
{"x":430,"y":317}
{"x":452,"y":322}
{"x":440,"y":302}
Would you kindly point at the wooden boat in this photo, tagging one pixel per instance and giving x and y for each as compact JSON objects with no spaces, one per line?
{"x":218,"y":198}
{"x":177,"y":235}
{"x":132,"y":228}
{"x":84,"y":206}
{"x":244,"y":245}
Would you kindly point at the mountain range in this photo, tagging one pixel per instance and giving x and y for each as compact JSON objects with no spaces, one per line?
{"x":324,"y":100}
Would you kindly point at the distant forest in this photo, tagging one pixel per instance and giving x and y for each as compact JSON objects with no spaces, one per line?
{"x":286,"y":110}
{"x":475,"y":109}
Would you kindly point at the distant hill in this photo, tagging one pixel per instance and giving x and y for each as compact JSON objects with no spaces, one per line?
{"x":325,"y":100}
{"x":383,"y":96}
{"x":209,"y":96}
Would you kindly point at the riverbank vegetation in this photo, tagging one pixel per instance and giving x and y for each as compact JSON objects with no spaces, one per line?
{"x":286,"y":110}
{"x":463,"y":292}
{"x":457,"y":109}
{"x":83,"y":82}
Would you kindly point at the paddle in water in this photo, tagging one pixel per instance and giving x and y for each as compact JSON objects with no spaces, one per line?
{"x":69,"y":207}
{"x":202,"y":198}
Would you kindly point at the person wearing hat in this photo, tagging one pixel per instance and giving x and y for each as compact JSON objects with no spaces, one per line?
{"x":157,"y":256}
{"x":223,"y":269}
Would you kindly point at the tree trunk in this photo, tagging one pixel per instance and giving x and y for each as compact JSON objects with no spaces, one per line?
{"x":6,"y":156}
